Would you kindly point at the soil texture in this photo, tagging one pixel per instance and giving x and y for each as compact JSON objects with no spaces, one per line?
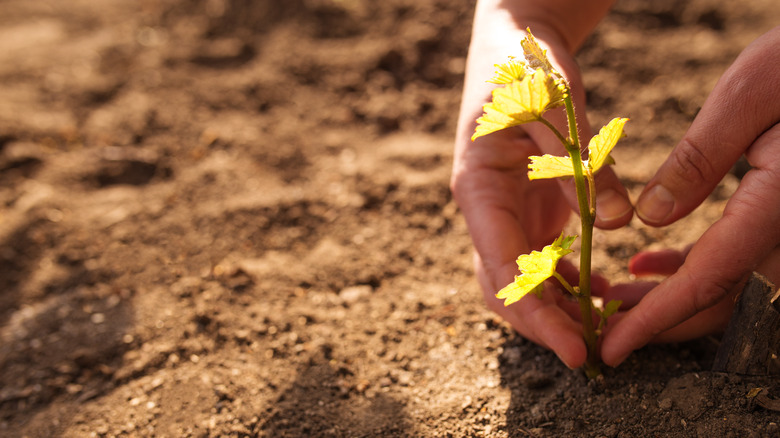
{"x":232,"y":218}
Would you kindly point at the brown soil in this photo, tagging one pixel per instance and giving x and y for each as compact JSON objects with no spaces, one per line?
{"x":232,"y":218}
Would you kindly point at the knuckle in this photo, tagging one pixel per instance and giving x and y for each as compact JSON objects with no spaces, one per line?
{"x":648,"y":325}
{"x":709,"y":296}
{"x":691,"y":164}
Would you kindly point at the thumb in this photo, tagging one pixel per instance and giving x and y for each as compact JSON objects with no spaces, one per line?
{"x":740,"y":108}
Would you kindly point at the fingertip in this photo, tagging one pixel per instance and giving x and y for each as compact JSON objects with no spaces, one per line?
{"x":613,"y":352}
{"x":613,"y":209}
{"x":574,"y":356}
{"x":613,"y":357}
{"x":599,"y":285}
{"x":615,"y":361}
{"x":664,"y":262}
{"x":655,"y":205}
{"x":557,"y":330}
{"x":630,"y":294}
{"x":570,"y":348}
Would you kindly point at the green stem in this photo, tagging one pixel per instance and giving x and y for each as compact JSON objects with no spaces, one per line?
{"x":555,"y":131}
{"x":592,"y":187}
{"x":587,"y":218}
{"x":584,"y":300}
{"x":564,"y":283}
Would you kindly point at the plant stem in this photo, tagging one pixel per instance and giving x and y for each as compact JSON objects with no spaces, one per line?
{"x":592,"y":195}
{"x":555,"y":131}
{"x":586,"y":305}
{"x":564,"y":283}
{"x":587,"y":219}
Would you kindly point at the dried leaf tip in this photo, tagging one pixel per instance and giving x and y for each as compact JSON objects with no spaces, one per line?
{"x":536,"y":57}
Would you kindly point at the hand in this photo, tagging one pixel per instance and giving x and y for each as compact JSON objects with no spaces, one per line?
{"x":739,"y":117}
{"x":507,"y":215}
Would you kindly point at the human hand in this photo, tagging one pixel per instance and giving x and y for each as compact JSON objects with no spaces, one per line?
{"x":509,"y":215}
{"x":739,"y":117}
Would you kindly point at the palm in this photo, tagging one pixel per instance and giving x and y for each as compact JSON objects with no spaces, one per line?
{"x":515,"y":214}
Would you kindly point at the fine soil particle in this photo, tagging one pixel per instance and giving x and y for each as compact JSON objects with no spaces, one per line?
{"x":232,"y":218}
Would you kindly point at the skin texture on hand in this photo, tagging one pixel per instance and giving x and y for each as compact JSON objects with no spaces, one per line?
{"x":508,"y":215}
{"x":740,"y":116}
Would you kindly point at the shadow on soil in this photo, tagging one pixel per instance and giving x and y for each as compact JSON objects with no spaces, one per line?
{"x":323,"y":402}
{"x":61,"y":331}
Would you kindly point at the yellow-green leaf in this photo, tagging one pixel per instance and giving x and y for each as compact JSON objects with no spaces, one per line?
{"x":535,"y":268}
{"x":508,"y":72}
{"x":602,"y":144}
{"x":549,"y":166}
{"x":519,"y":102}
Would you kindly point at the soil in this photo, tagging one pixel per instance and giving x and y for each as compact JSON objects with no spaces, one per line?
{"x":232,"y":218}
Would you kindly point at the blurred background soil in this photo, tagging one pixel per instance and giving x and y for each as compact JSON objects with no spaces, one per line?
{"x":232,"y":218}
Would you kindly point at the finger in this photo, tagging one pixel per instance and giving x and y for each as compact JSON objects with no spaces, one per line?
{"x":481,"y":190}
{"x":709,"y":321}
{"x":745,"y":235}
{"x":598,"y":283}
{"x":629,"y":293}
{"x":716,"y":317}
{"x":570,"y":306}
{"x":665,"y":262}
{"x":554,"y":328}
{"x":539,"y":320}
{"x":499,"y":204}
{"x":770,"y":267}
{"x":613,"y":208}
{"x":497,"y":306}
{"x":742,"y":105}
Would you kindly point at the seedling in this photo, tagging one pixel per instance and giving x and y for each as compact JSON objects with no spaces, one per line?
{"x":529,"y":88}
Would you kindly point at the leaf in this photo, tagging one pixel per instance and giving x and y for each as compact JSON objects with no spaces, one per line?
{"x":536,"y":56}
{"x":549,"y":166}
{"x":508,"y":72}
{"x":602,"y":144}
{"x":611,"y":308}
{"x":519,"y":102}
{"x":535,"y":268}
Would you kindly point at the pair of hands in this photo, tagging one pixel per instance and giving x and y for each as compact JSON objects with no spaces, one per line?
{"x":507,"y":215}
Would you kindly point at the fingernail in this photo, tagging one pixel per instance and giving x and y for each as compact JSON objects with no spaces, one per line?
{"x":621,"y":360}
{"x":564,"y":362}
{"x":655,"y":205}
{"x":610,"y":205}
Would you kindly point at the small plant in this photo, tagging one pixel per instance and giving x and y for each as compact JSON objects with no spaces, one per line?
{"x":529,"y":88}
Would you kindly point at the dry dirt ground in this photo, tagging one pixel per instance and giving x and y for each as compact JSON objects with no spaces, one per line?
{"x":232,"y":218}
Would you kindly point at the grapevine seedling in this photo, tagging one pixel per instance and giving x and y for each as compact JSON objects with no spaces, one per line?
{"x":527,"y":89}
